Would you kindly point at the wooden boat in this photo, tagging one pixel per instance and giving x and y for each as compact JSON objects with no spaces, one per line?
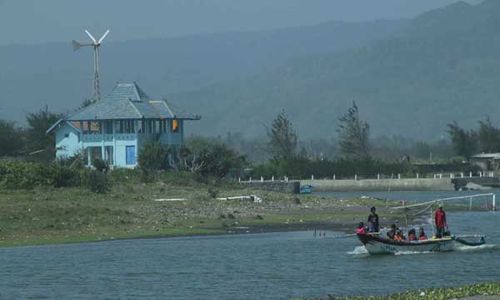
{"x":375,"y":244}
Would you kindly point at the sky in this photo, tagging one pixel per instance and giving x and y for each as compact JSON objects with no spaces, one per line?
{"x":39,"y":21}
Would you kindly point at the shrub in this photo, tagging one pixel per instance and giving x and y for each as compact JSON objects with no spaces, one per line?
{"x":153,"y":157}
{"x":61,"y":176}
{"x":100,"y":165}
{"x":95,"y":181}
{"x":21,"y":175}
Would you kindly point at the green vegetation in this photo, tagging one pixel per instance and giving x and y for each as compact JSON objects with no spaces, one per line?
{"x":481,"y":289}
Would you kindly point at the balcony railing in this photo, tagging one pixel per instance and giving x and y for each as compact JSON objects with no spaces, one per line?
{"x":98,"y":137}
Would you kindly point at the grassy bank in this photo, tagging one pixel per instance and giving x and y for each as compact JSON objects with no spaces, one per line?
{"x":128,"y":210}
{"x":463,"y":292}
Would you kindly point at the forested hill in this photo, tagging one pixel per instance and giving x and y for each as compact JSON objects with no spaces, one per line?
{"x":32,"y":76}
{"x":444,"y":67}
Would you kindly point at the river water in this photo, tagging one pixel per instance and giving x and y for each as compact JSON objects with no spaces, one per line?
{"x":248,"y":266}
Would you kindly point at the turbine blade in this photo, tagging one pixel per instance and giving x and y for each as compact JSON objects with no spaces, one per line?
{"x":90,"y":36}
{"x":103,"y":36}
{"x":76,"y":45}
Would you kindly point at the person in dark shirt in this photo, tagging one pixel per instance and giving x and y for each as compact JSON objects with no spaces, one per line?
{"x":412,"y":235}
{"x":373,"y":225}
{"x":392,"y":233}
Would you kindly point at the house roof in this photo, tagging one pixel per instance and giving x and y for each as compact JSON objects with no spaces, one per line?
{"x":129,"y":101}
{"x":61,"y":122}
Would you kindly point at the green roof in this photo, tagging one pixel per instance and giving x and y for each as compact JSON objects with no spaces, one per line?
{"x":129,"y":101}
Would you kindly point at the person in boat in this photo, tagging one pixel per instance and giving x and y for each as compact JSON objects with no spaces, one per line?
{"x":421,"y":234}
{"x":361,"y":228}
{"x":412,"y":235}
{"x":391,"y":234}
{"x":440,"y":221}
{"x":399,"y":235}
{"x":373,"y":224}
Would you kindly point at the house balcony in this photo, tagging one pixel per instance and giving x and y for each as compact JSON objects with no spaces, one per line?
{"x":98,"y":137}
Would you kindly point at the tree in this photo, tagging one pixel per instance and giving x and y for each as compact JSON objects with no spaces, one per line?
{"x":465,"y":143}
{"x":353,"y":135}
{"x":38,"y":141}
{"x":211,"y":158}
{"x":488,"y":137}
{"x":11,"y":139}
{"x":283,"y":138}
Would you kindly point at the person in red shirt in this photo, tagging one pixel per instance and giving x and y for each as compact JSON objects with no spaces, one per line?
{"x":440,"y":221}
{"x":361,"y":228}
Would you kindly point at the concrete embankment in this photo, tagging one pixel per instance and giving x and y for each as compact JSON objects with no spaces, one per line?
{"x":404,"y":184}
{"x":292,"y":187}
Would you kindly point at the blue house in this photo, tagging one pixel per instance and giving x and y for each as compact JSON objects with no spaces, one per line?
{"x":116,"y":127}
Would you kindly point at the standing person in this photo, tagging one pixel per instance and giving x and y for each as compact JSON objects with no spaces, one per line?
{"x":373,"y":225}
{"x":440,"y":221}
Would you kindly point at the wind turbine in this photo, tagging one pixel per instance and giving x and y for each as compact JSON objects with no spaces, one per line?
{"x":96,"y":95}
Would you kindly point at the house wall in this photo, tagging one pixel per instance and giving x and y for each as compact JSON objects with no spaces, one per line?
{"x":67,"y":141}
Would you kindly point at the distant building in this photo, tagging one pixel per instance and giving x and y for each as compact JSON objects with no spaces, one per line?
{"x":486,"y":161}
{"x":115,"y":128}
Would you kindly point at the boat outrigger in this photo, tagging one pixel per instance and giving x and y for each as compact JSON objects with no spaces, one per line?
{"x":375,"y":244}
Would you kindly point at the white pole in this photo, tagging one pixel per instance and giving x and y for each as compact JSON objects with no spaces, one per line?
{"x":334,"y":176}
{"x":261,"y":179}
{"x":312,"y":177}
{"x":494,"y":203}
{"x":355,"y":176}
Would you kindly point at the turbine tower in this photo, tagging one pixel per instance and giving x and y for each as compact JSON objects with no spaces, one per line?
{"x":96,"y":44}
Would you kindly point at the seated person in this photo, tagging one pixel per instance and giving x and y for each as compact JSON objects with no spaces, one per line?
{"x":399,"y":236}
{"x":392,"y":232}
{"x":421,"y":234}
{"x":361,"y":228}
{"x":412,"y":236}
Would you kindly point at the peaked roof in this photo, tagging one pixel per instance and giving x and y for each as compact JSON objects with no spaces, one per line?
{"x":129,"y":101}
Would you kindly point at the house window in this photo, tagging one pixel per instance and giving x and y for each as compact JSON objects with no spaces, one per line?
{"x":130,"y":155}
{"x":175,"y":125}
{"x":66,"y":135}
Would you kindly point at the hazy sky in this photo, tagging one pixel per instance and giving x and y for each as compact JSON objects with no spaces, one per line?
{"x":34,"y":21}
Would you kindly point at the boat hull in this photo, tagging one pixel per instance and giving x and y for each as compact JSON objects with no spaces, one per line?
{"x":377,"y":245}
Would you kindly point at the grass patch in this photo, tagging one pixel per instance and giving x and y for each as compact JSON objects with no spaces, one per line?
{"x":481,"y":289}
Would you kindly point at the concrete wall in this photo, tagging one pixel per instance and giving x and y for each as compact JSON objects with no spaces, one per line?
{"x":412,"y":184}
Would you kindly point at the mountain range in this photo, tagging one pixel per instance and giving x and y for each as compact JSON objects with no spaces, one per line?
{"x":443,"y":66}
